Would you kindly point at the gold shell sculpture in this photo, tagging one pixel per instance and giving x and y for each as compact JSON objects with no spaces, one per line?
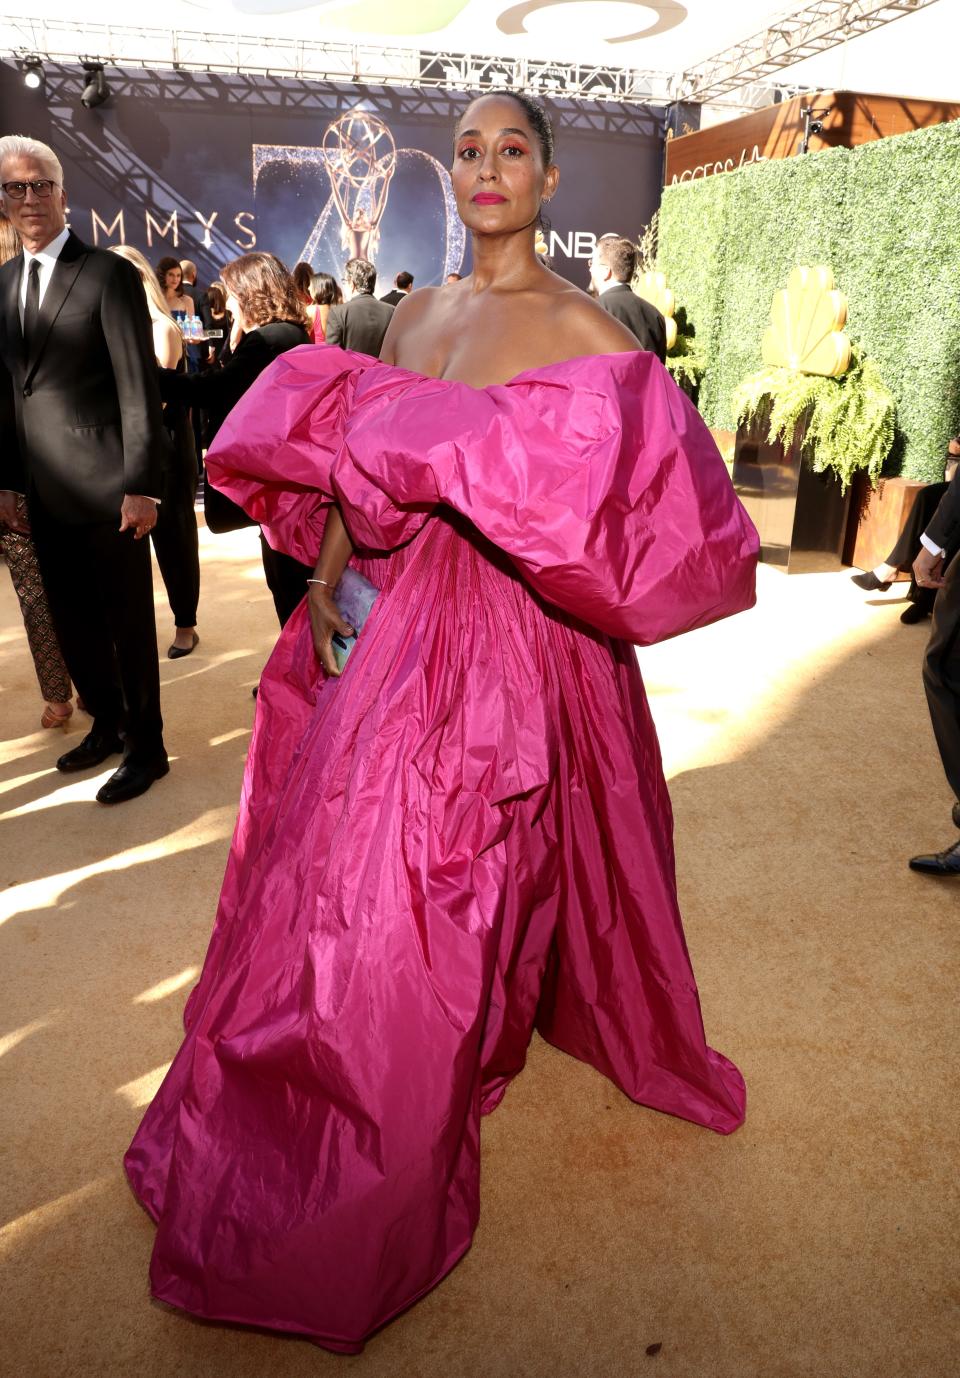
{"x":806,"y":330}
{"x":653,"y":288}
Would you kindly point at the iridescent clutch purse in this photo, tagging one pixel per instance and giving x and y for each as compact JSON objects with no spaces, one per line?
{"x":354,"y":597}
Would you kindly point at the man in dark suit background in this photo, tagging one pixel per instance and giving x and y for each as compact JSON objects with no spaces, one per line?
{"x":941,"y":664}
{"x":81,"y":434}
{"x":361,"y":322}
{"x":612,"y":267}
{"x":402,"y":287}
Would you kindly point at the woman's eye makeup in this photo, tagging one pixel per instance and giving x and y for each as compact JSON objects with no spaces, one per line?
{"x":473,"y":151}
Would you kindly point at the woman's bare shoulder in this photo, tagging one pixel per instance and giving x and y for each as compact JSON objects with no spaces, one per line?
{"x":587,"y":329}
{"x":415,"y":308}
{"x":167,"y":340}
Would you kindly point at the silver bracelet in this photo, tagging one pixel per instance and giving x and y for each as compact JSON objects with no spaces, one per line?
{"x":320,"y":581}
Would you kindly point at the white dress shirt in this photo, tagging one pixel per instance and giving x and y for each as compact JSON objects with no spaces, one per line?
{"x":47,"y":258}
{"x":927,"y":544}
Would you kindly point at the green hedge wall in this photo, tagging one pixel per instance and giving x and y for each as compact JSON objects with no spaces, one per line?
{"x":886,"y":218}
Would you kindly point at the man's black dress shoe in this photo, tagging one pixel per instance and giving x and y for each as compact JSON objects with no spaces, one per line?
{"x":92,"y":751}
{"x":938,"y":863}
{"x":914,"y":612}
{"x":175,"y":652}
{"x":869,"y":582}
{"x":132,"y":779}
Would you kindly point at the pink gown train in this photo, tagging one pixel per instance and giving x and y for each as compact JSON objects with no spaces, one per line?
{"x":465,"y":837}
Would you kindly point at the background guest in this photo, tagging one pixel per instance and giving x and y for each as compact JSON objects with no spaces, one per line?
{"x":361,"y":322}
{"x":268,"y":319}
{"x":215,"y":316}
{"x":91,"y":491}
{"x":175,"y":534}
{"x":16,"y":547}
{"x":325,"y":292}
{"x":302,"y":278}
{"x":612,"y":267}
{"x":170,"y":278}
{"x":941,"y":664}
{"x":188,"y":284}
{"x":453,"y":277}
{"x":908,"y":546}
{"x":402,"y":287}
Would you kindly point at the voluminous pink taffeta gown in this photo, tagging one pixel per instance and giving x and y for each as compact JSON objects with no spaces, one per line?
{"x":466,"y":836}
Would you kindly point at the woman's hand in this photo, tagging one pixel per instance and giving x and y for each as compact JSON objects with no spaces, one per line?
{"x":325,"y":619}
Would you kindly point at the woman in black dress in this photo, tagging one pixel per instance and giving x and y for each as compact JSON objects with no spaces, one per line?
{"x":268,"y":319}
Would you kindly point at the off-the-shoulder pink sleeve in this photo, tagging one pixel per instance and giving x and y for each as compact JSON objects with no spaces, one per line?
{"x":596,"y":476}
{"x":274,"y":452}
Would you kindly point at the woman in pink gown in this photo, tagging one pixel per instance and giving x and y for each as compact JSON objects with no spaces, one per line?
{"x":467,"y":835}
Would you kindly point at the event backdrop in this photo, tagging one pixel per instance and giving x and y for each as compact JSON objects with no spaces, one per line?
{"x":207,"y":167}
{"x":886,"y":218}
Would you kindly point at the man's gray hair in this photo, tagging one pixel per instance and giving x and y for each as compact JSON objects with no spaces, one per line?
{"x":20,"y":146}
{"x":361,"y":274}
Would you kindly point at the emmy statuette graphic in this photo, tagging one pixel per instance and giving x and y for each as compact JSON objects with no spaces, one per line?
{"x":361,"y":158}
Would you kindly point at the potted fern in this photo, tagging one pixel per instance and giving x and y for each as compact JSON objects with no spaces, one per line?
{"x":684,"y":361}
{"x":815,"y":416}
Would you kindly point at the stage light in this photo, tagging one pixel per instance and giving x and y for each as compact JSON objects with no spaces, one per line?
{"x":96,"y":90}
{"x":32,"y":72}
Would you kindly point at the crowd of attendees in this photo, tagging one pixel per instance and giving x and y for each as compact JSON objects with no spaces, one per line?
{"x":255,"y":311}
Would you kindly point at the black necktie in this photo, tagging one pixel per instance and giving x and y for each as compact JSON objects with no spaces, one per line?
{"x":31,"y":309}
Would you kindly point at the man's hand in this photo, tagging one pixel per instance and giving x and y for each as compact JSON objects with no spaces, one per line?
{"x":9,"y":516}
{"x":928,"y":569}
{"x":138,"y":515}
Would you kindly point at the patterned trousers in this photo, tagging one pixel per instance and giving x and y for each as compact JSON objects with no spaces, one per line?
{"x":25,"y":572}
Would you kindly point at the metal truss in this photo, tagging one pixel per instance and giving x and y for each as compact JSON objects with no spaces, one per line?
{"x":305,"y":97}
{"x":64,"y":41}
{"x":810,"y":30}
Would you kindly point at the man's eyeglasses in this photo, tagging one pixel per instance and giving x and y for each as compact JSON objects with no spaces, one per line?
{"x":18,"y":190}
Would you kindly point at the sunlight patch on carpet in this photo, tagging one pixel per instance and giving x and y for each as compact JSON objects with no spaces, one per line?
{"x":141,"y":1090}
{"x":167,"y":987}
{"x":213,"y":826}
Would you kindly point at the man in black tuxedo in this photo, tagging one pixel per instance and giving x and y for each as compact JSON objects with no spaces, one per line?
{"x":402,"y":287}
{"x":612,"y":267}
{"x":361,"y":322}
{"x":81,"y":434}
{"x":941,"y":664}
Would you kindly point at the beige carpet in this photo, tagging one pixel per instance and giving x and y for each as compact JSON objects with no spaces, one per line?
{"x":819,"y":1240}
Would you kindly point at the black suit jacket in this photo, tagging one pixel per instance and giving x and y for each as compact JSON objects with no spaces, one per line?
{"x":944,"y":528}
{"x":80,"y":419}
{"x":395,"y":297}
{"x":637,"y":315}
{"x":359,"y":324}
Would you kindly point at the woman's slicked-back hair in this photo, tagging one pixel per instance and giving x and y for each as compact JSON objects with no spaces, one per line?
{"x":265,"y":290}
{"x":537,"y":117}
